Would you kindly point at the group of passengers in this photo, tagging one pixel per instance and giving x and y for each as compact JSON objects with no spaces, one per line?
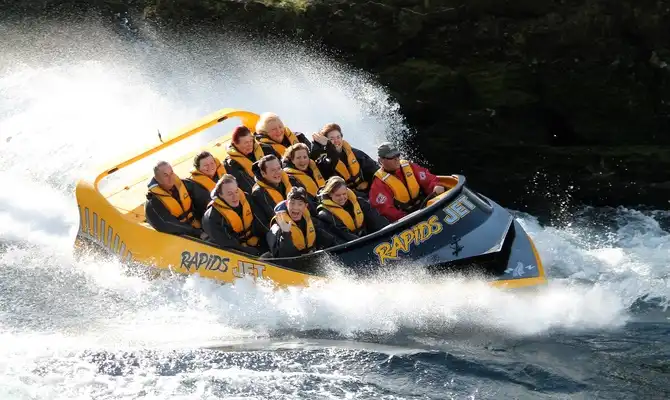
{"x":278,"y":195}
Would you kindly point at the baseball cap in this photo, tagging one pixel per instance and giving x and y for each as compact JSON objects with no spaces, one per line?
{"x":387,"y":150}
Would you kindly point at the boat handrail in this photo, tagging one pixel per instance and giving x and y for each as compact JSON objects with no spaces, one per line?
{"x":248,"y":119}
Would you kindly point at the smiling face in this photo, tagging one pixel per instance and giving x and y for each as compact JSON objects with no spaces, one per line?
{"x":340,"y":195}
{"x":301,"y":159}
{"x":296,"y":208}
{"x":208,"y":166}
{"x":275,"y":129}
{"x":273,"y":172}
{"x":335,"y":138}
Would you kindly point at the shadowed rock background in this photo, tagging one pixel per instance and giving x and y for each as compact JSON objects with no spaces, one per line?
{"x":538,"y":103}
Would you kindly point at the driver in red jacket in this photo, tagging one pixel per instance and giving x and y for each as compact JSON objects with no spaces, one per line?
{"x":400,"y":186}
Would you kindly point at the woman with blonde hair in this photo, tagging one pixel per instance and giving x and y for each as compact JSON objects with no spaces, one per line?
{"x":349,"y":216}
{"x":271,"y":130}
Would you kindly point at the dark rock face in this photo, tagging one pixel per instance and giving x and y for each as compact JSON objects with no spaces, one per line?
{"x":577,"y":89}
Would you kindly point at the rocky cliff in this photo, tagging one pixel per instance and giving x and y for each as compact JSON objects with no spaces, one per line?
{"x":575,"y":91}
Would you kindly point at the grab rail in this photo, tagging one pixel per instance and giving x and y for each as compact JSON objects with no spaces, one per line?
{"x":248,"y":118}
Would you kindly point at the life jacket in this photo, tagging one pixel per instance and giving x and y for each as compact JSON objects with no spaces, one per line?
{"x":279,"y":147}
{"x":355,"y":225}
{"x":351,"y":172}
{"x":312,"y":185}
{"x":241,"y":226}
{"x":405,"y":197}
{"x":243,"y":160}
{"x":204,"y":180}
{"x":301,"y":241}
{"x":182,"y":209}
{"x":274,"y":193}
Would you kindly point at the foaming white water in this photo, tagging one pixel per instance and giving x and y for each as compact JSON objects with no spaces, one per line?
{"x":630,"y":260}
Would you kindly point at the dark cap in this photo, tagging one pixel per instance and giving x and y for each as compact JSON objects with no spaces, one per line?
{"x":387,"y":150}
{"x":297,"y":193}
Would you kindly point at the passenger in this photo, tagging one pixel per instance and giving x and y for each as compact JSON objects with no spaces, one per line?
{"x":168,"y":207}
{"x":229,"y":221}
{"x":243,"y":151}
{"x":352,"y":217}
{"x":303,"y":172}
{"x":271,"y":130}
{"x":335,"y":156}
{"x":293,"y":232}
{"x":272,"y":186}
{"x":207,"y":171}
{"x":396,"y":191}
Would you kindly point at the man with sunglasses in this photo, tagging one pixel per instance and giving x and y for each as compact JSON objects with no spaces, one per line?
{"x":400,"y":186}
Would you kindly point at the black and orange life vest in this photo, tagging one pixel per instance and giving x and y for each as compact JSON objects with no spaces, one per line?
{"x":204,"y":180}
{"x":303,"y":241}
{"x":240,"y":225}
{"x":312,"y":185}
{"x":182,"y":209}
{"x":243,"y":160}
{"x":274,"y":193}
{"x":279,"y":147}
{"x":355,"y":224}
{"x":351,"y":170}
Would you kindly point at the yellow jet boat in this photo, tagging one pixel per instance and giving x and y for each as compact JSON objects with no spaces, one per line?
{"x":461,"y":231}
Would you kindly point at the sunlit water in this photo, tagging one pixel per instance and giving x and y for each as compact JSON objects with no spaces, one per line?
{"x":74,"y":97}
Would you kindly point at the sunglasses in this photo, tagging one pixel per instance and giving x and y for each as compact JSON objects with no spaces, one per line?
{"x":391,"y":158}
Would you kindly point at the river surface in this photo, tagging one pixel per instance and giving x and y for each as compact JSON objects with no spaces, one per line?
{"x":73,"y":96}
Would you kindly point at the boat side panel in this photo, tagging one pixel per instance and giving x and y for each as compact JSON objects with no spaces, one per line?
{"x":142,"y":244}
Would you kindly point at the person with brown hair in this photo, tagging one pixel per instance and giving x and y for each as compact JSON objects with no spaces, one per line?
{"x":207,"y":170}
{"x":335,"y":156}
{"x":303,"y":172}
{"x":272,"y":186}
{"x":243,"y":151}
{"x":350,"y":216}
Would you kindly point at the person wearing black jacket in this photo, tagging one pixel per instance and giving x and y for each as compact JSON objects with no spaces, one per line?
{"x":303,"y":172}
{"x":229,"y":220}
{"x":334,"y":156}
{"x":349,"y":216}
{"x":293,"y":232}
{"x":272,"y":186}
{"x":243,"y":151}
{"x":171,"y":205}
{"x":271,"y":130}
